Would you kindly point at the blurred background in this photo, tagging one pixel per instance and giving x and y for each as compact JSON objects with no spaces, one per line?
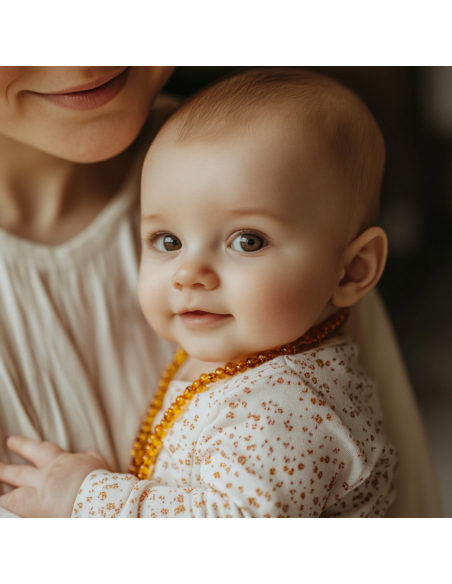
{"x":413,"y":106}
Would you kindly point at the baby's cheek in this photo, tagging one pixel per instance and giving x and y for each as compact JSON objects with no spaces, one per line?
{"x":276,"y":311}
{"x":150,"y":297}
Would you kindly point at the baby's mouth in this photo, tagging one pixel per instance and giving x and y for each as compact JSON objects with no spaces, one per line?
{"x":196,"y":318}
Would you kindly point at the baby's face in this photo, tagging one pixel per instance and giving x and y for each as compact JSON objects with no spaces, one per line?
{"x":242,"y":240}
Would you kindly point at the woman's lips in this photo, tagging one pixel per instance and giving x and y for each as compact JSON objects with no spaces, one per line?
{"x":201,"y":318}
{"x":89,"y":98}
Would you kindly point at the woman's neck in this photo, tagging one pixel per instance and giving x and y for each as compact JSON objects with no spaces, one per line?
{"x":49,"y":200}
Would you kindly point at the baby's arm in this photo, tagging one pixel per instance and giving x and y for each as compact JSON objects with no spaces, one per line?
{"x":272,"y":449}
{"x":49,"y":488}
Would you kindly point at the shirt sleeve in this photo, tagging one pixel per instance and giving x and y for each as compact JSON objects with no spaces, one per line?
{"x":275,"y":448}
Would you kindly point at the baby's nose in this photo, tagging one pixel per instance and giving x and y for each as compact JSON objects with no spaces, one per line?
{"x":195,"y":275}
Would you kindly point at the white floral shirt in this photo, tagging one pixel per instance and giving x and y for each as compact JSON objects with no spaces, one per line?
{"x":300,"y":436}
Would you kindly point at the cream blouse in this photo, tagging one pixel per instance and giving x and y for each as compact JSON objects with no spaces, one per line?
{"x":78,"y":362}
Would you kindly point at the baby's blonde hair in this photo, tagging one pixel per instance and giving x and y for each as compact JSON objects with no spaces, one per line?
{"x":303,"y":99}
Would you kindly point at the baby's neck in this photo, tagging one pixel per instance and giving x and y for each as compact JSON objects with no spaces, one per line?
{"x":192,"y":368}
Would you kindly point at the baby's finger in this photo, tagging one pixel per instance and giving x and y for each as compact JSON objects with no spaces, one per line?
{"x":22,"y":501}
{"x":18,"y":475}
{"x":40,"y":453}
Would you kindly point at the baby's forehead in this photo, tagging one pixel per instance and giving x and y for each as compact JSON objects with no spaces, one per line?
{"x":267,"y":164}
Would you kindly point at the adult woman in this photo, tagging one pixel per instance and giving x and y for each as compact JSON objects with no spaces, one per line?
{"x":78,"y":361}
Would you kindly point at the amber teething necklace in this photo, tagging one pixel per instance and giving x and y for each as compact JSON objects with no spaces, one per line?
{"x":149,"y":443}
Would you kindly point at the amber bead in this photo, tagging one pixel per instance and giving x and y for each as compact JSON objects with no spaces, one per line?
{"x":196,"y":384}
{"x":166,"y":424}
{"x":143,"y":472}
{"x":229,"y":369}
{"x":180,"y":401}
{"x":212,"y":377}
{"x":287,"y":350}
{"x":262,"y":357}
{"x":273,"y":355}
{"x":241,"y":367}
{"x":151,"y":450}
{"x":169,"y":415}
{"x":220,"y":373}
{"x":252,"y":362}
{"x":189,"y":392}
{"x":159,"y":431}
{"x":155,"y":440}
{"x":175,"y":408}
{"x":204,"y":378}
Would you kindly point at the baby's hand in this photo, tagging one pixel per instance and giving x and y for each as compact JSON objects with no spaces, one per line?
{"x":49,"y":488}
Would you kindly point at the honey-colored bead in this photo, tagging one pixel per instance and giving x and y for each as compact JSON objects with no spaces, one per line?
{"x":273,"y":355}
{"x":262,"y":357}
{"x":175,"y":408}
{"x":229,"y":369}
{"x":155,"y":440}
{"x":180,"y":401}
{"x":166,"y":424}
{"x":252,"y":362}
{"x":144,"y":471}
{"x":204,"y":378}
{"x":196,"y":384}
{"x":151,"y":450}
{"x":287,"y":350}
{"x":159,"y":431}
{"x":241,"y":367}
{"x":169,"y":415}
{"x":220,"y":373}
{"x":189,"y":393}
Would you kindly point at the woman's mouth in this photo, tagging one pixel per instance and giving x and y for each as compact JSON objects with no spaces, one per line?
{"x":91,"y":95}
{"x":198,"y":318}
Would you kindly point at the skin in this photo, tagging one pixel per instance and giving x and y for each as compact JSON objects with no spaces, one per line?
{"x":202,"y":199}
{"x":48,"y":194}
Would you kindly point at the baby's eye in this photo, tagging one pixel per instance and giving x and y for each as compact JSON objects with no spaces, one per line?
{"x":248,"y":242}
{"x":167,"y":242}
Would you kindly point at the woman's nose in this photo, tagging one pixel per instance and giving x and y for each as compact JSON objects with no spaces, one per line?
{"x":195,"y":275}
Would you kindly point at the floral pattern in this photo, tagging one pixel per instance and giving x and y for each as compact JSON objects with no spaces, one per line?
{"x":300,"y":436}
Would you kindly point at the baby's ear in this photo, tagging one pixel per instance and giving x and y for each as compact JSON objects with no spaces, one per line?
{"x":364,"y":260}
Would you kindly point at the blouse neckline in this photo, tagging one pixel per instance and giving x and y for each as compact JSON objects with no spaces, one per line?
{"x":87,"y":242}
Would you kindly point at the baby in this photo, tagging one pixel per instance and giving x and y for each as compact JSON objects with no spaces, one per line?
{"x":259,"y":203}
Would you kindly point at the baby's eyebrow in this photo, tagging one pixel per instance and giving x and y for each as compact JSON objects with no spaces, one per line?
{"x":151,"y":217}
{"x":256,"y":211}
